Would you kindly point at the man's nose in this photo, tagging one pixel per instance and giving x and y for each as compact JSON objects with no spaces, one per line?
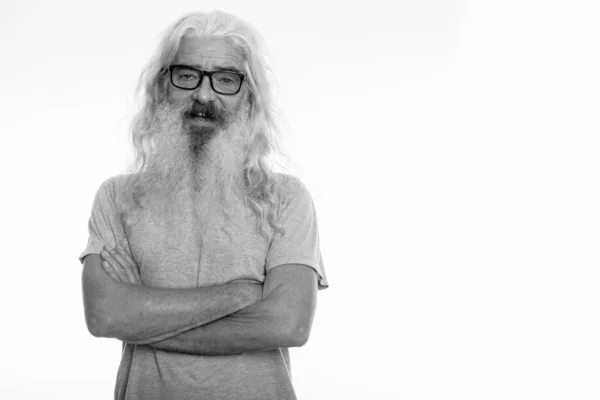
{"x":204,"y":92}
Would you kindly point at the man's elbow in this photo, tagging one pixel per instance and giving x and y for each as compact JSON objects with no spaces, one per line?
{"x":98,"y":323}
{"x":105,"y":324}
{"x":101,"y":318}
{"x":299,"y":336}
{"x":292,"y":330}
{"x":96,"y":330}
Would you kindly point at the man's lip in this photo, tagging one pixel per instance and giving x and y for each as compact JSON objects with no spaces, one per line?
{"x":204,"y":120}
{"x":198,"y":116}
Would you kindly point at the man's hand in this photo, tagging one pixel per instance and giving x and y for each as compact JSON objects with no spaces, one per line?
{"x":120,"y":265}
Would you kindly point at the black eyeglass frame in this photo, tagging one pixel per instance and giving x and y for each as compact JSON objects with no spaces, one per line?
{"x":202,"y":75}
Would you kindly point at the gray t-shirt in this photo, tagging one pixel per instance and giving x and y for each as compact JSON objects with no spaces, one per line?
{"x":200,"y":259}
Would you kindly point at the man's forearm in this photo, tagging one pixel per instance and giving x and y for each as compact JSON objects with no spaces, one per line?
{"x":258,"y":327}
{"x":139,"y":314}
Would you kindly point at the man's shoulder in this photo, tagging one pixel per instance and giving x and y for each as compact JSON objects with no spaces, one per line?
{"x":114,"y":186}
{"x":117,"y":182}
{"x":288,"y":185}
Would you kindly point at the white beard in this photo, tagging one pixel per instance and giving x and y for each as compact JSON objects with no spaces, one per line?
{"x":200,"y":182}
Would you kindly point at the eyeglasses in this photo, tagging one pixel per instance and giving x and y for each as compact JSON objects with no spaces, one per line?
{"x":222,"y":82}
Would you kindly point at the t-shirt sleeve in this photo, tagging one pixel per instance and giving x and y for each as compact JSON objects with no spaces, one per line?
{"x":104,"y":226}
{"x":300,"y":243}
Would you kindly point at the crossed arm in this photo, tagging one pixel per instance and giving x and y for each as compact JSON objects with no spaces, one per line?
{"x":282,"y":319}
{"x":221,"y":319}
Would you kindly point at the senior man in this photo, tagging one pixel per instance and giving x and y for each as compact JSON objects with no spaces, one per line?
{"x":203,"y":261}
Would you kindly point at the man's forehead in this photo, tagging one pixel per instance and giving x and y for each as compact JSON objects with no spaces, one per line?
{"x":206,"y":49}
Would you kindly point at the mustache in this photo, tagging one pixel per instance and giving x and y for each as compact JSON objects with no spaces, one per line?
{"x":209,"y":110}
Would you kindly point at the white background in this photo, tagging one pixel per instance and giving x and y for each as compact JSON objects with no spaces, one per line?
{"x":452,"y":151}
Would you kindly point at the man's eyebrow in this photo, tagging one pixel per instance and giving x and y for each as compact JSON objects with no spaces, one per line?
{"x":228,"y":68}
{"x":219,"y":68}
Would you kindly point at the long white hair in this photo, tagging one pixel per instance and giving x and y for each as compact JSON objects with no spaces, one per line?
{"x":259,"y":177}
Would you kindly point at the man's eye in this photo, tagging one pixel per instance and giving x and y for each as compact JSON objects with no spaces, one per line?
{"x":187,"y":77}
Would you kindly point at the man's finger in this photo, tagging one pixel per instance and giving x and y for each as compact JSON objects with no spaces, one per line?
{"x":127,"y":256}
{"x":116,"y":266}
{"x":117,"y":255}
{"x":130,"y":268}
{"x":135,"y":269}
{"x":109,"y":270}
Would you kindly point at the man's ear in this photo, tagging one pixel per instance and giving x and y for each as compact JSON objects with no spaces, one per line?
{"x":251,"y":102}
{"x":162,"y":88}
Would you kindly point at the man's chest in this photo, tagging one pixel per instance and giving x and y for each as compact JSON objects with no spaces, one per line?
{"x":185,"y":256}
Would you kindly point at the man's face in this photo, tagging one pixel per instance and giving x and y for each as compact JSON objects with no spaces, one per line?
{"x":201,"y":138}
{"x":207,"y":54}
